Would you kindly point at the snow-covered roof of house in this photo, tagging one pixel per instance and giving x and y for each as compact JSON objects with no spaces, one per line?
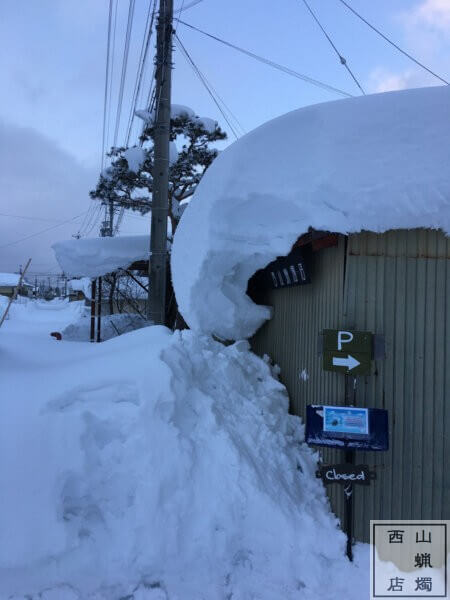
{"x":97,"y":256}
{"x":373,"y":163}
{"x":12,"y":279}
{"x":80,"y":285}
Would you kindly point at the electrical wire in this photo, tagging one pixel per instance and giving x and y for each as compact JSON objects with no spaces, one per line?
{"x":202,"y":79}
{"x":271,"y":63}
{"x":111,"y":79}
{"x":389,"y":41}
{"x":94,"y":220}
{"x":124,"y":68}
{"x":42,"y":231}
{"x":105,"y":100}
{"x":28,"y":218}
{"x":183,"y":8}
{"x":342,"y":60}
{"x":141,"y":67}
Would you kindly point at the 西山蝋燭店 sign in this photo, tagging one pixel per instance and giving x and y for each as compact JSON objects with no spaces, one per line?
{"x":345,"y":473}
{"x":348,"y":352}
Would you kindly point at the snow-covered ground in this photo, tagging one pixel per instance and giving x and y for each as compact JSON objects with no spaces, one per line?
{"x":156,"y":466}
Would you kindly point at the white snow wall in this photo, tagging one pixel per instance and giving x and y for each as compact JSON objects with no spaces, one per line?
{"x":373,"y":163}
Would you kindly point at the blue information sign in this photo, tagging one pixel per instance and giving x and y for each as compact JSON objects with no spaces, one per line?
{"x":347,"y":427}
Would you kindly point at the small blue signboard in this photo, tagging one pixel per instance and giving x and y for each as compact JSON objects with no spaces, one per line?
{"x":347,"y":428}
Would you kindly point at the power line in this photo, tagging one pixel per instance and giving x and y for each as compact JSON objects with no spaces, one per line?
{"x":271,"y":63}
{"x":389,"y":41}
{"x":105,"y":100}
{"x":113,"y":52}
{"x":141,"y":66}
{"x":212,"y":92}
{"x":342,"y":59}
{"x":183,"y":8}
{"x":124,"y":67}
{"x":202,"y":79}
{"x":28,"y":218}
{"x":42,"y":231}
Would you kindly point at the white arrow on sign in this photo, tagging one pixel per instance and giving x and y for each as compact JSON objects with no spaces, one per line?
{"x":350,"y":362}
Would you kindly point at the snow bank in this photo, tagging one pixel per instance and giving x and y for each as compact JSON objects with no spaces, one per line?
{"x":111,"y":326}
{"x":158,"y":466}
{"x":98,"y":256}
{"x":376,"y":163}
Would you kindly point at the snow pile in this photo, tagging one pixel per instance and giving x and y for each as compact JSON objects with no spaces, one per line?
{"x":111,"y":326}
{"x":176,"y":474}
{"x":376,"y":163}
{"x":98,"y":256}
{"x":135,"y":157}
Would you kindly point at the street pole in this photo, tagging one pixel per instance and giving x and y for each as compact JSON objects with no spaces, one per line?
{"x":160,"y":203}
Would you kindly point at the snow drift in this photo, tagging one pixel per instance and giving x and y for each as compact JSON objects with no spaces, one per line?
{"x":156,"y":466}
{"x":112,"y":326}
{"x":371,"y":163}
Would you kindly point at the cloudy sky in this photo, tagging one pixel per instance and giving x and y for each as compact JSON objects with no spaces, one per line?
{"x":53,"y":67}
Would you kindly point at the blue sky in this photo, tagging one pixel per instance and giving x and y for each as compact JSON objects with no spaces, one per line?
{"x":53,"y":67}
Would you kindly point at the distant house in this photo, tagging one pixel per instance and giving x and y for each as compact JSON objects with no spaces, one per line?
{"x":9,"y":282}
{"x":79,"y":289}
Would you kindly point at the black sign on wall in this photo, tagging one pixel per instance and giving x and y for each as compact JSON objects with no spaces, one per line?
{"x":287,"y":271}
{"x":346,"y":473}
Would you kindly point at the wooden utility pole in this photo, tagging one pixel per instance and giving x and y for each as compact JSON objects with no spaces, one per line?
{"x":160,"y":202}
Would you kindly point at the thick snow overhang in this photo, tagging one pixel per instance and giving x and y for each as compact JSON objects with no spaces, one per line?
{"x":97,"y":256}
{"x":372,"y":163}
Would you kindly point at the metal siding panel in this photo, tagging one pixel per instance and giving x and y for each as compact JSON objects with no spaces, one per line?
{"x":396,"y":284}
{"x":412,"y":307}
{"x":290,"y":338}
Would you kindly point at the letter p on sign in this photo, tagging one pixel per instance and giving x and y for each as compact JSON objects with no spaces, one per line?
{"x":344,"y":337}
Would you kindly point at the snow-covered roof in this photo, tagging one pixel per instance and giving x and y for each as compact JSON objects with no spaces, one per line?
{"x":80,"y":285}
{"x":12,"y":279}
{"x":373,"y":163}
{"x":98,"y":256}
{"x":7,"y":279}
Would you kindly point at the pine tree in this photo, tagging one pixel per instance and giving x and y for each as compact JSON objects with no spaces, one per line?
{"x":128,"y":181}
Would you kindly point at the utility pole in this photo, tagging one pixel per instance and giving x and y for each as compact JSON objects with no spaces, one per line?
{"x":157,"y":271}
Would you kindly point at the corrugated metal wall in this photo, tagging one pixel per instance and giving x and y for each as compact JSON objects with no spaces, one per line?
{"x":396,"y":284}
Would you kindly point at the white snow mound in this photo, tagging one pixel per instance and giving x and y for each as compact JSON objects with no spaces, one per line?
{"x":97,"y":256}
{"x":111,"y":326}
{"x":373,"y":163}
{"x":175,"y":474}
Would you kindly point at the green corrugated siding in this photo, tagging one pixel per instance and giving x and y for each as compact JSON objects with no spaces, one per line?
{"x":396,"y":284}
